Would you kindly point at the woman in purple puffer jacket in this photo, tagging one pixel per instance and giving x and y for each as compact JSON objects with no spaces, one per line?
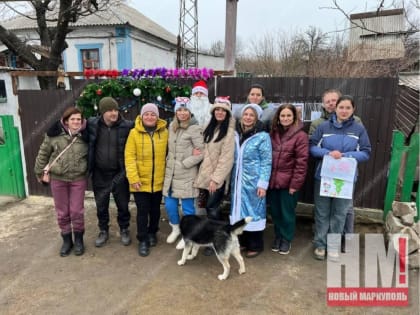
{"x":290,"y":147}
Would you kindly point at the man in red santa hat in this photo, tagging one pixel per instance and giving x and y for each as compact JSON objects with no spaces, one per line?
{"x":200,"y":104}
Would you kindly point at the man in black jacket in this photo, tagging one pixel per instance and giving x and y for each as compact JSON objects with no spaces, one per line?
{"x":107,"y":137}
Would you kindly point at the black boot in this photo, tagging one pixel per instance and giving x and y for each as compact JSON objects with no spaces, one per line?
{"x":79,"y":247}
{"x":144,"y":248}
{"x":67,"y":244}
{"x":152,"y":239}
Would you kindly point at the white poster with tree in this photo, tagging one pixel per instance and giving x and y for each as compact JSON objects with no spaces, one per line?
{"x":337,"y":177}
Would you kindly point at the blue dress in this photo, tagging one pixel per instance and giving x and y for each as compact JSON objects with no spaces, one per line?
{"x":251,"y":170}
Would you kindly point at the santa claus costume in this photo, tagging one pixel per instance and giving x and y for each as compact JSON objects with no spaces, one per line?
{"x":200,"y":104}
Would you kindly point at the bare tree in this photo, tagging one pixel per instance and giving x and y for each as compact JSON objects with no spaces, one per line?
{"x":284,"y":53}
{"x":292,"y":57}
{"x":311,"y":42}
{"x":217,"y":48}
{"x":317,"y":54}
{"x":264,"y":50}
{"x":52,"y":39}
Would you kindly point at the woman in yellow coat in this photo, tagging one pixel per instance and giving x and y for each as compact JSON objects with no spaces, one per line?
{"x":145,"y":155}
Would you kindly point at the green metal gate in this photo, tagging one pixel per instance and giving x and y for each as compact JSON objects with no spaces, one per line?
{"x":412,"y":161}
{"x":11,"y":173}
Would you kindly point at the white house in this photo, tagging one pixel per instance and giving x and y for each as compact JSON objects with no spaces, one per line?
{"x":377,"y":35}
{"x":118,"y":38}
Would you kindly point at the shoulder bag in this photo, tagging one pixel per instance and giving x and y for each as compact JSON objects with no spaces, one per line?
{"x":45,"y":179}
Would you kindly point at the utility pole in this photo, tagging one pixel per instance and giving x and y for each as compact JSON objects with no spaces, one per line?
{"x":187,"y":55}
{"x":230,"y":34}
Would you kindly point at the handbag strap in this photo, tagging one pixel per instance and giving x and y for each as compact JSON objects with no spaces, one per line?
{"x":49,"y":165}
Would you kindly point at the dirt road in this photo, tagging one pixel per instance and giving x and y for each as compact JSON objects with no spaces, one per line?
{"x":114,"y":279}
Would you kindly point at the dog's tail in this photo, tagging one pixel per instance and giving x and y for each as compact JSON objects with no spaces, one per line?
{"x":239,"y":226}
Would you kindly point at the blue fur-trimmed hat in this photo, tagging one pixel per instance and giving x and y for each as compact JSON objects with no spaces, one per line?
{"x":257,"y":109}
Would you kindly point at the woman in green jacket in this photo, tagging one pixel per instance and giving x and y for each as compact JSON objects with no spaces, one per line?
{"x":68,"y":174}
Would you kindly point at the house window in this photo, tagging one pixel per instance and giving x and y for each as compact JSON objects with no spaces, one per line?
{"x":90,"y":58}
{"x":3,"y":97}
{"x":89,"y":55}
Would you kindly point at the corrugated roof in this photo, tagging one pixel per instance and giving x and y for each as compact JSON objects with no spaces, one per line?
{"x":412,"y":80}
{"x":120,"y":14}
{"x":365,"y":15}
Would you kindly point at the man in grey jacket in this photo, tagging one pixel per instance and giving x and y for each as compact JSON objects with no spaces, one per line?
{"x":329,"y":103}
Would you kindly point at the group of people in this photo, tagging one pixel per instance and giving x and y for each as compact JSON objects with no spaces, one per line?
{"x":259,"y":156}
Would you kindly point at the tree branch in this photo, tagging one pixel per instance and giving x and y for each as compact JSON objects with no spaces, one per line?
{"x":18,"y":47}
{"x":414,"y":27}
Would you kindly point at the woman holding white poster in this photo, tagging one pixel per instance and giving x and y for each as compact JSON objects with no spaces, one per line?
{"x":341,"y":136}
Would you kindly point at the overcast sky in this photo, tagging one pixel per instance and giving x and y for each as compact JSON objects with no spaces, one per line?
{"x":255,"y":17}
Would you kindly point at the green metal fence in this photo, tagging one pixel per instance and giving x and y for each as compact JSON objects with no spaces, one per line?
{"x":409,"y":172}
{"x":11,"y":172}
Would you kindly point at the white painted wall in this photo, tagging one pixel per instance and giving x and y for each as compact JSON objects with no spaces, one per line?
{"x":89,"y":36}
{"x":11,"y":107}
{"x":146,"y":56}
{"x":215,"y":63}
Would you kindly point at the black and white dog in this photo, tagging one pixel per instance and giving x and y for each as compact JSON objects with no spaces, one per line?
{"x":223,"y":237}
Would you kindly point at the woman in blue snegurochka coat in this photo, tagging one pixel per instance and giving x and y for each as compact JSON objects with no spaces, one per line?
{"x":250,"y":177}
{"x":340,"y":136}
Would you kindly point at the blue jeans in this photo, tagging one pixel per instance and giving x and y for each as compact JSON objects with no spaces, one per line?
{"x":330,"y":216}
{"x":349,"y":225}
{"x":171,"y":206}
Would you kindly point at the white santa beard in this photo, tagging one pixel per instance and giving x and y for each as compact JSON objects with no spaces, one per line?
{"x":200,"y":107}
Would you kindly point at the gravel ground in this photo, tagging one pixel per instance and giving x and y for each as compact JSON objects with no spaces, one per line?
{"x":114,"y":279}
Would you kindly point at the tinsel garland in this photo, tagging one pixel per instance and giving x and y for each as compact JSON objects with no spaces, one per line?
{"x":157,"y":90}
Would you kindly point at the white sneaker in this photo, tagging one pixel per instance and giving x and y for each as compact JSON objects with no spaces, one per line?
{"x":319,"y":253}
{"x":333,"y":256}
{"x":181,"y":244}
{"x":174,"y":234}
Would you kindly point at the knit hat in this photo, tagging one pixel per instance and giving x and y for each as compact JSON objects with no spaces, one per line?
{"x":149,"y":107}
{"x":222,"y":102}
{"x":182,"y":102}
{"x":200,"y":86}
{"x":107,"y":103}
{"x":257,"y":109}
